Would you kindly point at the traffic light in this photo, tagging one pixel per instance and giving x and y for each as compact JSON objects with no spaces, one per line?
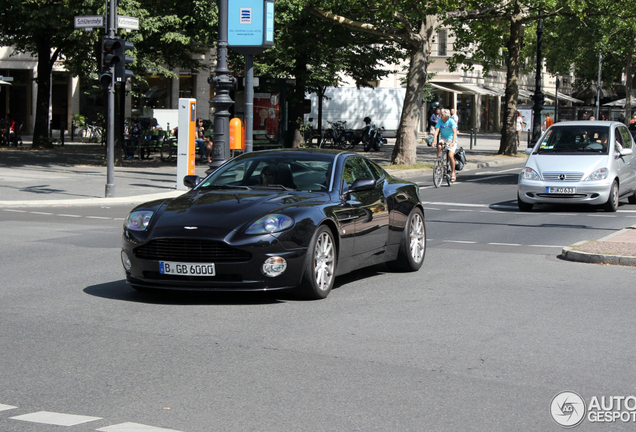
{"x":109,"y":52}
{"x":121,"y":73}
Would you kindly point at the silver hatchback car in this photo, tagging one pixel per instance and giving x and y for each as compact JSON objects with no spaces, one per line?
{"x":582,"y":162}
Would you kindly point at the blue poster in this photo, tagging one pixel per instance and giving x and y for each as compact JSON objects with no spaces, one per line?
{"x":245,"y":23}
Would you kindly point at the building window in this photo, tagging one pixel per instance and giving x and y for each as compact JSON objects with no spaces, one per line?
{"x":441,"y":42}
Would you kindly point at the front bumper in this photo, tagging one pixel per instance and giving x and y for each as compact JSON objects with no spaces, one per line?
{"x":241,"y":273}
{"x":592,"y":193}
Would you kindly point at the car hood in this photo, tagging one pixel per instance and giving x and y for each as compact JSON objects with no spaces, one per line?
{"x":227,"y":210}
{"x":570,"y":163}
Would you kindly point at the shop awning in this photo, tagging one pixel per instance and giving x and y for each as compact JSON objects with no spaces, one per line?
{"x":562,"y":96}
{"x":448,"y":89}
{"x":473,"y":88}
{"x":620,"y":102}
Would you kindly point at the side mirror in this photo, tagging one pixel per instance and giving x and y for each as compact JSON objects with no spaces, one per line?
{"x":361,"y":184}
{"x":528,"y":151}
{"x":627,"y":152}
{"x":190,"y":181}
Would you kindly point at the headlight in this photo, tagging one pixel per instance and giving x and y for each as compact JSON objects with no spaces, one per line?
{"x":599,"y":174}
{"x":138,"y":220}
{"x":270,"y":224}
{"x":529,"y":174}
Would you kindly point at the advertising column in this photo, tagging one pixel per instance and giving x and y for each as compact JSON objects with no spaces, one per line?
{"x":186,"y":146}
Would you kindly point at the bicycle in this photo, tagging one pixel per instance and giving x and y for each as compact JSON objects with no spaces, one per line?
{"x":442,"y":169}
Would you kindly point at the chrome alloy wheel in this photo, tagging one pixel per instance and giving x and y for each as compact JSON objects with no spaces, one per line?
{"x":324,"y":261}
{"x":417,"y":242}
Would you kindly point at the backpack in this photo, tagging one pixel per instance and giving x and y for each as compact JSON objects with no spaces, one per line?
{"x":460,"y":159}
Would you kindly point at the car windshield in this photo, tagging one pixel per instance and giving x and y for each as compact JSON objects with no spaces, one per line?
{"x":287,"y":171}
{"x":575,"y":140}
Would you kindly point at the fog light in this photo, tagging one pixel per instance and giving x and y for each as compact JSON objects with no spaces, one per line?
{"x":274,"y":266}
{"x":125,"y":260}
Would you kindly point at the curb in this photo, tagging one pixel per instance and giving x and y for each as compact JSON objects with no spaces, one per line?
{"x":571,"y":253}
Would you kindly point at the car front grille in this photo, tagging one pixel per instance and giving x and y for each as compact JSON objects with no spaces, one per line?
{"x":564,"y":176}
{"x":191,"y":250}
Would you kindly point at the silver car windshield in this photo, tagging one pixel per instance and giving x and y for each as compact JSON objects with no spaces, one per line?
{"x":576,"y":140}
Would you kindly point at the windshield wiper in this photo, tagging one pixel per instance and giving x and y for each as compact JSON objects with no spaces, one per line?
{"x":275,"y":186}
{"x":227,"y":186}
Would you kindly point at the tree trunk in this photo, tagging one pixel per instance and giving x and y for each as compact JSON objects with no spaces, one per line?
{"x":508,"y":143}
{"x":405,"y":150}
{"x":44,"y":68}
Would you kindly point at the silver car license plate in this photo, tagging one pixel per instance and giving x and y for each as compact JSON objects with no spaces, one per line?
{"x":187,"y":269}
{"x":560,"y":190}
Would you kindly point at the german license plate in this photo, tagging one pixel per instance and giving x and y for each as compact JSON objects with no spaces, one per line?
{"x":560,"y":190}
{"x":186,"y":269}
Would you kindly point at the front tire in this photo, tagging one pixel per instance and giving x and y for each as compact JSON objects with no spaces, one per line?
{"x":612,"y":201}
{"x":438,"y":173}
{"x":320,"y":266}
{"x":413,"y":245}
{"x":523,"y":206}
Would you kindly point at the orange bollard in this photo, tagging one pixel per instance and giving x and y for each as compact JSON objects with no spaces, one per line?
{"x":236,"y":135}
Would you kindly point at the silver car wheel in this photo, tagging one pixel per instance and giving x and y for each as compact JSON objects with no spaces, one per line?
{"x":416,"y":238}
{"x":324,"y":257}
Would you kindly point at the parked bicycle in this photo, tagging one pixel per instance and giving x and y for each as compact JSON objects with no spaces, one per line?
{"x":338,"y":136}
{"x":442,"y":169}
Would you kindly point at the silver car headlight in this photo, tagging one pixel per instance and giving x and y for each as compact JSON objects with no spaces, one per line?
{"x":138,"y":220}
{"x":529,"y":174}
{"x":270,"y":224}
{"x":599,"y":174}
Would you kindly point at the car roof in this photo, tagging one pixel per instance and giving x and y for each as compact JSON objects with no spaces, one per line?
{"x":587,"y":123}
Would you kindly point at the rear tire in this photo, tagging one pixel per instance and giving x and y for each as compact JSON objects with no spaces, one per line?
{"x":320,"y":266}
{"x":612,"y":201}
{"x":413,"y":245}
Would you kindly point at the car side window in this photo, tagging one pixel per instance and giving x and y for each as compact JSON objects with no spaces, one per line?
{"x":354,"y":168}
{"x":618,"y":142}
{"x":375,"y":170}
{"x":627,"y":138}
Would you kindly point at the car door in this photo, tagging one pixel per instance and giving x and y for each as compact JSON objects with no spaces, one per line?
{"x":629,"y":160}
{"x":622,"y":163}
{"x":368,"y":206}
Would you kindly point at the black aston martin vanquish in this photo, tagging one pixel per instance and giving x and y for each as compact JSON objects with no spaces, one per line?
{"x":271,"y":220}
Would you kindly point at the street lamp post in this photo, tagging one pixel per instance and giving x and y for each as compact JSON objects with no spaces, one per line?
{"x":539,"y":99}
{"x":222,"y":82}
{"x":556,"y":99}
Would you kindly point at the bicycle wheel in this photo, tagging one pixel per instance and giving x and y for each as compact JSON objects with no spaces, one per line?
{"x":438,"y":173}
{"x":447,"y":169}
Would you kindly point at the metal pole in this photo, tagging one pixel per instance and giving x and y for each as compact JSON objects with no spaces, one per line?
{"x":539,"y":99}
{"x":110,"y":115}
{"x":223,"y":83}
{"x":556,"y":100}
{"x":598,"y":86}
{"x":249,"y":103}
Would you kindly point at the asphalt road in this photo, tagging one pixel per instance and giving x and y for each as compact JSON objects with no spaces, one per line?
{"x":481,"y":338}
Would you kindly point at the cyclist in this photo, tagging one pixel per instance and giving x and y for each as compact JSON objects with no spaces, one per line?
{"x":446,"y":128}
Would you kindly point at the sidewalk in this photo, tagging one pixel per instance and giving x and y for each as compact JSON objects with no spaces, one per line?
{"x":76,"y":175}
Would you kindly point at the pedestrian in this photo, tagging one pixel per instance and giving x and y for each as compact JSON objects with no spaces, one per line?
{"x":203,"y":143}
{"x":621,"y":118}
{"x":519,"y":128}
{"x":547,"y":122}
{"x":633,"y":120}
{"x":592,"y":118}
{"x":454,"y":116}
{"x":432,"y":121}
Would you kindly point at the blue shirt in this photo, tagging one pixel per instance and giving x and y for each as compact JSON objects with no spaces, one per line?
{"x":446,"y":128}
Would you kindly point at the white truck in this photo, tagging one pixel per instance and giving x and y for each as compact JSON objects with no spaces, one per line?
{"x":351,"y":104}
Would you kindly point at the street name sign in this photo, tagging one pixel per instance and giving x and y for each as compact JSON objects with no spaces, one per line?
{"x":89,"y":21}
{"x":128,"y":23}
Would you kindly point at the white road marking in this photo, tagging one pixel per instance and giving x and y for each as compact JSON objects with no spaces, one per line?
{"x":486,"y":178}
{"x":459,"y":241}
{"x":546,"y":246}
{"x":42,"y":213}
{"x":6,"y":407}
{"x":97,"y":217}
{"x":52,"y":418}
{"x":67,"y":215}
{"x":505,"y":244}
{"x":133,"y":427}
{"x":460,"y":210}
{"x":14,"y":211}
